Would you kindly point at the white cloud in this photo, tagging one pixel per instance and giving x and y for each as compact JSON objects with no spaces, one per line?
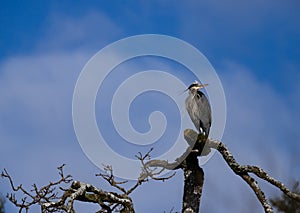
{"x":36,"y":129}
{"x":89,"y":31}
{"x":259,"y":121}
{"x":36,"y":89}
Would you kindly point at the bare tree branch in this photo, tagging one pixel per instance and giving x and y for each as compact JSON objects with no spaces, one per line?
{"x":193,"y":174}
{"x":110,"y":178}
{"x":54,"y":198}
{"x":49,"y":200}
{"x":153,"y":171}
{"x":243,"y":172}
{"x":228,"y":157}
{"x":35,"y":195}
{"x":285,"y":203}
{"x":199,"y":146}
{"x":264,"y":175}
{"x":193,"y":184}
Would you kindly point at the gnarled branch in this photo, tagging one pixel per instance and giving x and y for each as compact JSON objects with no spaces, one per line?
{"x":36,"y":196}
{"x":52,"y":200}
{"x":200,"y":146}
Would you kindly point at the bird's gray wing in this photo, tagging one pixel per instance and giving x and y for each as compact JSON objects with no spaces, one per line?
{"x":203,"y":114}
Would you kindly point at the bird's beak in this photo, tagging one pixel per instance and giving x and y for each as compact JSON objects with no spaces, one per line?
{"x":201,"y":86}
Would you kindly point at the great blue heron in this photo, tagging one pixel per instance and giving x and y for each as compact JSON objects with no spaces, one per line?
{"x":198,"y":108}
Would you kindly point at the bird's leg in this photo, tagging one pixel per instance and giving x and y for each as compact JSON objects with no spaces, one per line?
{"x":197,"y":142}
{"x":200,"y":144}
{"x":201,"y":131}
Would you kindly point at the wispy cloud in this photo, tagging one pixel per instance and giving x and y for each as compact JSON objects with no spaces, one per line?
{"x":259,"y":123}
{"x":89,"y":31}
{"x":36,"y":91}
{"x":36,"y":130}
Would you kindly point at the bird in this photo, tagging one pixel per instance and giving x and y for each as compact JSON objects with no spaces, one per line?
{"x":198,"y":108}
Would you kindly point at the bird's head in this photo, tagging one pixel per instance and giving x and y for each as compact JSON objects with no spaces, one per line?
{"x":195,"y":86}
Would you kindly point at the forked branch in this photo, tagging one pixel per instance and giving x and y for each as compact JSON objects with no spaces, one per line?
{"x":54,"y":198}
{"x":50,"y":199}
{"x":201,"y":147}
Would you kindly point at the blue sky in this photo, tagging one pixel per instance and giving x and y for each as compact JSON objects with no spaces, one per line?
{"x":254,"y":48}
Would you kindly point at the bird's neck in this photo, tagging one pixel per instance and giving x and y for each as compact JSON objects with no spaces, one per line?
{"x":193,"y":92}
